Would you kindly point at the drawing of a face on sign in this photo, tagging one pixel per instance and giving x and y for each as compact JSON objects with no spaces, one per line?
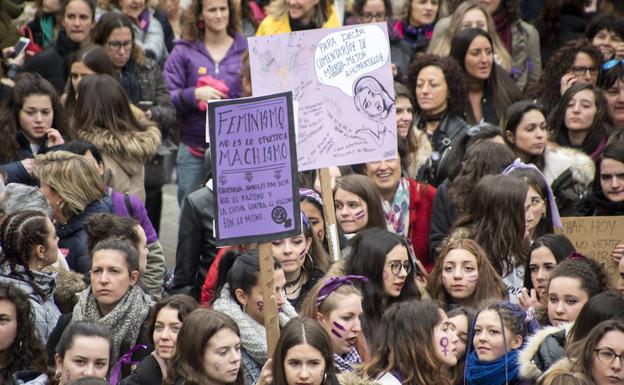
{"x":372,"y":99}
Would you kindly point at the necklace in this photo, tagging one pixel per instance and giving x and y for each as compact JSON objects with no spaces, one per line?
{"x":295,"y":285}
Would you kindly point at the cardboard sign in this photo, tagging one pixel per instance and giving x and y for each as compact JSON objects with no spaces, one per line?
{"x":252,"y":144}
{"x":595,"y":237}
{"x":341,"y":79}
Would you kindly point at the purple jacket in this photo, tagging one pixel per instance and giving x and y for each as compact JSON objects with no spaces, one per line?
{"x":186,"y":63}
{"x":138,"y":212}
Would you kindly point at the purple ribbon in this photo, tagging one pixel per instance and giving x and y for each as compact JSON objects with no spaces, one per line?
{"x":334,"y":283}
{"x":554,"y":211}
{"x":126,"y":359}
{"x":312,"y":194}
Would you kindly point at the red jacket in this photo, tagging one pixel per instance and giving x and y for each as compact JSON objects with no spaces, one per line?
{"x":421,"y":202}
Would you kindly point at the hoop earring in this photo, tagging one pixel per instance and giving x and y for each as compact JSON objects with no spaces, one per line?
{"x":325,"y":377}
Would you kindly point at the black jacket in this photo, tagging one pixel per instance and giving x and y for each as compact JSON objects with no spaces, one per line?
{"x":148,"y":372}
{"x":53,"y":63}
{"x":442,"y":217}
{"x":16,"y":173}
{"x":599,"y":205}
{"x":197,"y":248}
{"x":438,"y":167}
{"x":73,"y":237}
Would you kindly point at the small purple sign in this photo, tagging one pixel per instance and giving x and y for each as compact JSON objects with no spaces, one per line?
{"x":254,"y":168}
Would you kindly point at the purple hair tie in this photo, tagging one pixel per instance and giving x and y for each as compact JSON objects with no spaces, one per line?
{"x":334,"y":283}
{"x":312,"y":194}
{"x":576,"y":256}
{"x":554,"y":211}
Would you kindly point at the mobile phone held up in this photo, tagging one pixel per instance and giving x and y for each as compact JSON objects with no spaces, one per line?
{"x":21,"y":46}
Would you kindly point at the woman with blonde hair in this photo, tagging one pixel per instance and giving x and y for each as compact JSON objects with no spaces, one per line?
{"x":291,"y":16}
{"x":470,"y":14}
{"x":463,"y":275}
{"x":74,"y":190}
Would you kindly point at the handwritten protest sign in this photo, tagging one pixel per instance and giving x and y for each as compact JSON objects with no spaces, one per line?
{"x":252,"y":144}
{"x":342,"y":82}
{"x":595,"y":237}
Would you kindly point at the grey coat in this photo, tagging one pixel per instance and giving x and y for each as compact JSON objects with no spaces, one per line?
{"x":45,"y":310}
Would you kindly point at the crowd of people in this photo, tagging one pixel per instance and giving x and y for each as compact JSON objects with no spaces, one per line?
{"x":452,"y":269}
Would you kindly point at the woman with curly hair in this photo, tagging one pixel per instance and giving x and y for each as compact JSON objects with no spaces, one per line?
{"x":463,"y":276}
{"x":575,"y":62}
{"x":29,"y":244}
{"x":21,"y":349}
{"x":30,"y":119}
{"x":519,"y":38}
{"x":490,"y":89}
{"x":441,"y":94}
{"x":206,"y":64}
{"x":581,"y":120}
{"x":560,"y":21}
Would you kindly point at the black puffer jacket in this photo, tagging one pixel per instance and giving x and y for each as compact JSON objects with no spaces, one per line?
{"x":147,"y":373}
{"x":196,"y":243}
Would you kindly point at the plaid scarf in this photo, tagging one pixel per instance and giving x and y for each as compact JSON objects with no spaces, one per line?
{"x":345,"y":362}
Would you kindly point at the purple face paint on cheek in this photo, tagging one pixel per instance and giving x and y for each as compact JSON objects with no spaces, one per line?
{"x":319,"y":234}
{"x":339,"y":326}
{"x":472,"y":278}
{"x":334,"y":332}
{"x":260,"y":305}
{"x":443,"y":344}
{"x":302,"y":254}
{"x":359,"y":215}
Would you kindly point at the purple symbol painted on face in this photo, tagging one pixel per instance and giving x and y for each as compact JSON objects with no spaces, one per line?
{"x":472,"y":278}
{"x":444,"y":345}
{"x":334,"y":332}
{"x":302,"y":254}
{"x":359,"y":215}
{"x":260,"y":305}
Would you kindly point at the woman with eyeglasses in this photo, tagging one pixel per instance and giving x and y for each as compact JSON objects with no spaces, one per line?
{"x":577,"y":61}
{"x":378,"y":11}
{"x":406,"y":202}
{"x":383,"y":258}
{"x":141,"y":77}
{"x":581,"y":120}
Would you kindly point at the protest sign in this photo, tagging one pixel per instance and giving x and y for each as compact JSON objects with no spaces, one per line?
{"x":595,"y":237}
{"x":342,"y":81}
{"x":252,"y":144}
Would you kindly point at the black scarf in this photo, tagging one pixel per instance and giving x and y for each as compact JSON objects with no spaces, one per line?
{"x":604,"y":207}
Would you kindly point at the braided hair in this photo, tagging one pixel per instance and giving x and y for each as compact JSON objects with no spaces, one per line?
{"x":20,"y":232}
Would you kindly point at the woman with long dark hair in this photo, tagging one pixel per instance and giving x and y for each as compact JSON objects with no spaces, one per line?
{"x":580,"y":120}
{"x":103,"y":117}
{"x":490,"y":89}
{"x":383,"y":257}
{"x":30,"y":120}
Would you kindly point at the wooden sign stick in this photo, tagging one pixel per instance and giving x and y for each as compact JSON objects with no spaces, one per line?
{"x":271,"y":320}
{"x":329,"y":211}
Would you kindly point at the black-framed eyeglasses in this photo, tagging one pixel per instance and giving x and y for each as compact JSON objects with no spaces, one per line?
{"x":118,"y":45}
{"x":607,"y":355}
{"x":580,"y":71}
{"x":368,"y":17}
{"x":396,"y":267}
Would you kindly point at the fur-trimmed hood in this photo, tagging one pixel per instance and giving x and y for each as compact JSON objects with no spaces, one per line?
{"x":355,"y":378}
{"x":137,"y":146}
{"x":542,"y":346}
{"x":557,"y":159}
